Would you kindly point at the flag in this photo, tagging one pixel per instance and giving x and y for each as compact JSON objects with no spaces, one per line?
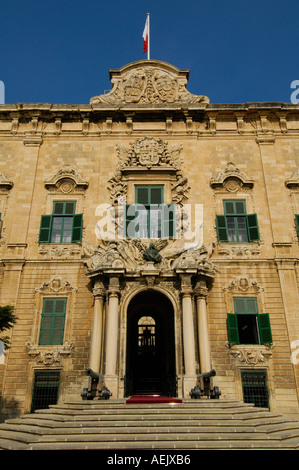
{"x":145,"y":35}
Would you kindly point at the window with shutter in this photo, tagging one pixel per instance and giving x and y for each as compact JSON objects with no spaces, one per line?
{"x":236,"y":226}
{"x":63,"y":225}
{"x":52,"y":322}
{"x":149,"y":217}
{"x":246,"y":325}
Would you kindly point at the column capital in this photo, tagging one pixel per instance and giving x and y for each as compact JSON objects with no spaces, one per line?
{"x":201,"y":292}
{"x":99,"y":292}
{"x":113,"y":292}
{"x":186,"y":292}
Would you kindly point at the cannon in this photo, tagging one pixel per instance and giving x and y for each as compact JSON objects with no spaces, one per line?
{"x":204,"y":386}
{"x":96,"y":387}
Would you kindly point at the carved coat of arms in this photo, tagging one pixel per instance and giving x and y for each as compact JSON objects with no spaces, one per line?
{"x":149,"y":151}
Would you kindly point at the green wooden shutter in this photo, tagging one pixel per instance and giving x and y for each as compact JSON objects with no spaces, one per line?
{"x":53,"y":320}
{"x":252,"y":227}
{"x":129,"y":226}
{"x":77,"y":227}
{"x":168,"y":220}
{"x":265,"y":328}
{"x":232,"y":325}
{"x":156,"y":194}
{"x":221,"y":228}
{"x":297,"y":222}
{"x":45,"y":229}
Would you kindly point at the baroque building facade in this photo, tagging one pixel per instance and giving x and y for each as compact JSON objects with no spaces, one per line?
{"x":150,"y":236}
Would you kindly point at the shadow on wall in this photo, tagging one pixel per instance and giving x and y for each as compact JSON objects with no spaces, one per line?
{"x":9,"y":408}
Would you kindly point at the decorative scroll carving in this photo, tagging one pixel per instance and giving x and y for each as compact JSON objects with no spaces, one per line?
{"x":169,"y":255}
{"x":148,"y":82}
{"x":243,"y":284}
{"x":148,"y":153}
{"x":51,"y":356}
{"x":293,"y":181}
{"x":231,"y":179}
{"x":59,"y":251}
{"x":56,"y":284}
{"x":250,"y":355}
{"x":240,"y":251}
{"x":66,"y":180}
{"x":5,"y":183}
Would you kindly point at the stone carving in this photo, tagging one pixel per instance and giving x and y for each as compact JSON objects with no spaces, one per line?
{"x":5,"y":183}
{"x":231,"y":178}
{"x":50,"y":356}
{"x":148,"y":82}
{"x":293,"y":181}
{"x":128,"y":254}
{"x":66,"y":180}
{"x":250,"y":355}
{"x":240,"y":251}
{"x":56,"y":284}
{"x":243,"y":284}
{"x":148,"y":153}
{"x":59,"y":251}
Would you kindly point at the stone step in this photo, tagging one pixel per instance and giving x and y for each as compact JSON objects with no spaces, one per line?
{"x":193,"y":424}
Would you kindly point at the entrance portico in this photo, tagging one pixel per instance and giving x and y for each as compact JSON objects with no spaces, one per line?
{"x":144,"y":336}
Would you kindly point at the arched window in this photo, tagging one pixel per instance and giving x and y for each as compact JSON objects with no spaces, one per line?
{"x":146,"y":335}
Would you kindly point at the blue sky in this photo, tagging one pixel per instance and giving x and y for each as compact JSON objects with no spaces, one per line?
{"x":60,"y":51}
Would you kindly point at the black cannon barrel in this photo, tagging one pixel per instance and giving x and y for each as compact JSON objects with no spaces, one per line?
{"x":92,"y":374}
{"x":207,"y":375}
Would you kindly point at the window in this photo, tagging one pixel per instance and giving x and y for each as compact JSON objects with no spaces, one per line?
{"x":255,"y":390}
{"x":52,"y":323}
{"x":63,"y":226}
{"x":236,"y":226}
{"x":246,"y":325}
{"x":149,"y":217}
{"x":45,"y":389}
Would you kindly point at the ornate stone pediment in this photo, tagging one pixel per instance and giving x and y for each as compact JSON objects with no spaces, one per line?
{"x":50,"y":356}
{"x":148,"y":82}
{"x":231,"y":179}
{"x":5,"y":183}
{"x":243,"y":284}
{"x":56,"y":284}
{"x":293,"y":181}
{"x":250,"y":355}
{"x":128,"y":254}
{"x":66,"y":180}
{"x":148,"y":153}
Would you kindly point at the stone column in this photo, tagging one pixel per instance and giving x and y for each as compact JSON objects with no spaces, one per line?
{"x":201,"y":293}
{"x":188,"y":334}
{"x":189,"y":379}
{"x":97,"y":328}
{"x":111,"y":351}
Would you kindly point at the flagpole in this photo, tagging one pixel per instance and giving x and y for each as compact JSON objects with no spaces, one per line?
{"x":148,"y":49}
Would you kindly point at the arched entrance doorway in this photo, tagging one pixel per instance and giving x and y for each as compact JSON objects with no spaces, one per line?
{"x":150,"y":365}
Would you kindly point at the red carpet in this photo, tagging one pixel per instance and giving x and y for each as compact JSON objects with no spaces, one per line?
{"x":152,"y":399}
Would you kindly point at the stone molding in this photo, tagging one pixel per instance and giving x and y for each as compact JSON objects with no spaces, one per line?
{"x":56,"y":285}
{"x":48,"y":355}
{"x":250,"y":355}
{"x":66,"y":180}
{"x":231,"y":179}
